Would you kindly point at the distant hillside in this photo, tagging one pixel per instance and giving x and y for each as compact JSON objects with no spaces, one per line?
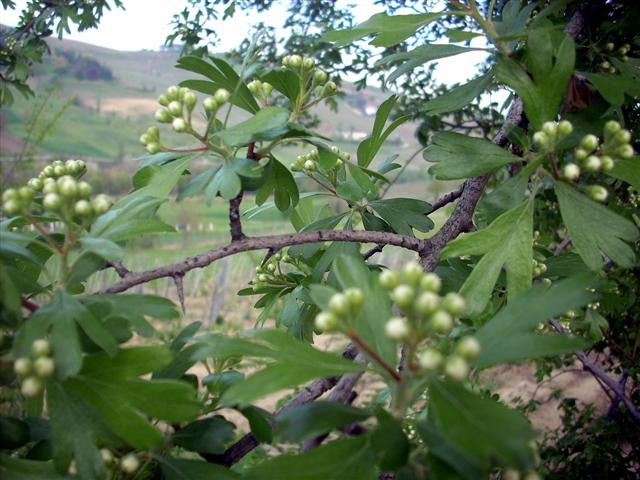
{"x":115,"y":96}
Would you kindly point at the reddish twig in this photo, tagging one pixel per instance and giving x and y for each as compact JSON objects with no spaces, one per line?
{"x":28,"y":304}
{"x":374,"y":356}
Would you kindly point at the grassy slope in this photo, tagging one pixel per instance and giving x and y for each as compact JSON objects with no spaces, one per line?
{"x":108,"y":117}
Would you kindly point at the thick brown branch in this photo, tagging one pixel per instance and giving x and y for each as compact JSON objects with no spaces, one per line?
{"x":461,"y":220}
{"x":275,"y":242}
{"x":235,"y":225}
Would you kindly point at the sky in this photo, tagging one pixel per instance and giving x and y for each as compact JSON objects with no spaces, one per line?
{"x":146,"y":23}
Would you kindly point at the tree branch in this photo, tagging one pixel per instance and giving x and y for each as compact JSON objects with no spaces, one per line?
{"x":447,"y":199}
{"x":275,"y":242}
{"x":235,"y":225}
{"x":602,"y":376}
{"x":120,"y":269}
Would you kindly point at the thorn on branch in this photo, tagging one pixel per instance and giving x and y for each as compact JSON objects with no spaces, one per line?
{"x":177,"y":279}
{"x":371,"y":252}
{"x":270,"y":253}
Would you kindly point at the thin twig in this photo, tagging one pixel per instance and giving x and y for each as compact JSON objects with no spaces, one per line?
{"x":446,"y":199}
{"x":28,"y":304}
{"x":602,"y":376}
{"x":561,"y":246}
{"x":375,"y":357}
{"x":120,"y":269}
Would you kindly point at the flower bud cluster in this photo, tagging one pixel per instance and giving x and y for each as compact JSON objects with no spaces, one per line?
{"x":593,"y":156}
{"x":35,"y":369}
{"x":428,"y":316}
{"x":60,"y":191}
{"x":260,"y":90}
{"x":538,"y":268}
{"x":177,"y":105}
{"x":308,"y":163}
{"x":271,"y":273}
{"x":551,"y":133}
{"x":315,"y":79}
{"x":621,"y":53}
{"x":342,"y":310}
{"x":128,"y":464}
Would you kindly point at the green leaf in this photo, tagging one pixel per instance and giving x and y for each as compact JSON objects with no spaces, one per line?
{"x":447,"y":456}
{"x":130,"y":217}
{"x":512,"y":336}
{"x":514,"y":18}
{"x":14,"y":433}
{"x":222,"y":75}
{"x":73,"y":433}
{"x":209,"y":435}
{"x":280,"y":181}
{"x":351,"y":271}
{"x":295,"y":362}
{"x":459,"y":96}
{"x":225,"y":183}
{"x":274,"y":378}
{"x":595,"y":229}
{"x":134,"y":308}
{"x":551,"y":67}
{"x":101,"y":246}
{"x":268,"y":124}
{"x":421,"y":55}
{"x":12,"y":468}
{"x":125,"y":402}
{"x":285,"y":81}
{"x":459,"y":156}
{"x":626,"y":169}
{"x":369,"y":147}
{"x":507,"y":242}
{"x":613,"y":88}
{"x":63,"y":315}
{"x":456,"y":35}
{"x":164,"y":178}
{"x":314,"y":419}
{"x":390,"y":442}
{"x":404,"y":214}
{"x":481,"y":427}
{"x":178,"y":469}
{"x":507,"y":195}
{"x":339,"y":460}
{"x":260,"y":422}
{"x":388,"y":30}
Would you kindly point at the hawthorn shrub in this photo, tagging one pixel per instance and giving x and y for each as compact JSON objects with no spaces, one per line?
{"x":537,"y":262}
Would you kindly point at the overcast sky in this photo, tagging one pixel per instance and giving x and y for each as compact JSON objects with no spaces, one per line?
{"x":146,"y":23}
